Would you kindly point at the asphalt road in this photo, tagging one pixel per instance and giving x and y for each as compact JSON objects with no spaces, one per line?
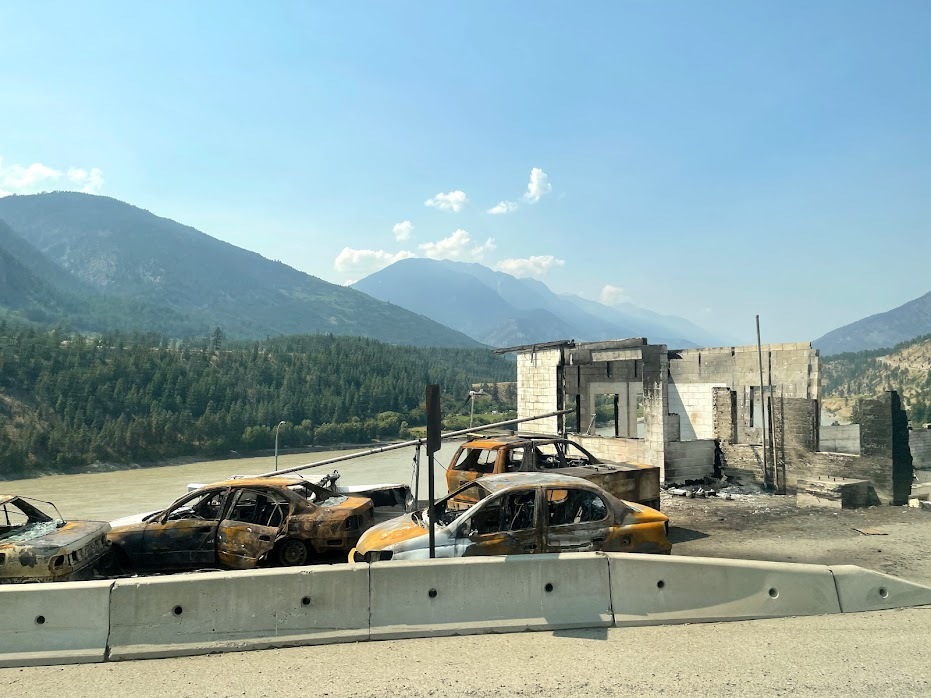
{"x":868,"y":654}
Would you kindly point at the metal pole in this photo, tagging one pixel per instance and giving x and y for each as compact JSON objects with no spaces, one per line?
{"x":417,"y":476}
{"x":434,"y":442}
{"x":277,"y":427}
{"x":778,"y":472}
{"x":412,"y":442}
{"x":759,"y":349}
{"x":471,"y":409}
{"x":431,"y":509}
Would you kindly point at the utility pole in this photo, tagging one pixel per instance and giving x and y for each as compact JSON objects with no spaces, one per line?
{"x":767,"y":481}
{"x":277,"y":427}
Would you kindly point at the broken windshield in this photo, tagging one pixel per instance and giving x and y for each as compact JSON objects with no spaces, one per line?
{"x":444,"y":515}
{"x":19,"y":516}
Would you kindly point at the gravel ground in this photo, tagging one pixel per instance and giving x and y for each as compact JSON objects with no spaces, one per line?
{"x":869,"y":654}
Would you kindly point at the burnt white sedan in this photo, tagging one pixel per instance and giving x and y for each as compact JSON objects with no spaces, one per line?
{"x":520,"y":513}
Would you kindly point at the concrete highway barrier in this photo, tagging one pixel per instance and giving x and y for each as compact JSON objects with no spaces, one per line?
{"x":54,"y":623}
{"x":489,"y":594}
{"x":224,"y":611}
{"x":659,"y":589}
{"x":865,"y":590}
{"x":200,"y":613}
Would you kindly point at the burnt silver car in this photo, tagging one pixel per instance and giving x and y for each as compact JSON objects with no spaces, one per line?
{"x":39,"y":546}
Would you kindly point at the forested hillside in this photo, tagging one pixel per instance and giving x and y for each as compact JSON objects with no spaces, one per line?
{"x":69,"y":401}
{"x":905,"y":367}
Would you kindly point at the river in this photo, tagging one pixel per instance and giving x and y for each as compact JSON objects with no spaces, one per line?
{"x":106,"y":496}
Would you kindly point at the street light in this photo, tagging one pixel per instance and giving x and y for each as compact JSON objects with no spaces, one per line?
{"x":276,"y":443}
{"x":472,"y":394}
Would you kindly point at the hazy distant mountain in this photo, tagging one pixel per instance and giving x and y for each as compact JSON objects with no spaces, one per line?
{"x":502,"y":310}
{"x":34,"y":289}
{"x":881,"y":330}
{"x":123,"y":252}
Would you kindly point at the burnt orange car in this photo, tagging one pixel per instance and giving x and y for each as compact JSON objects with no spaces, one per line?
{"x":524,"y":453}
{"x":241,"y":524}
{"x":521,"y":513}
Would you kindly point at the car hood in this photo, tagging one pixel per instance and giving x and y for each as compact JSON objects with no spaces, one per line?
{"x":390,"y":533}
{"x":55,"y":534}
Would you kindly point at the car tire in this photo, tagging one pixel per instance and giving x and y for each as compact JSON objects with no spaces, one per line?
{"x":293,"y":553}
{"x":114,"y":563}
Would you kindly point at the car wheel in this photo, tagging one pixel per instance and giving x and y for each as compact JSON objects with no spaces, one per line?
{"x":292,"y":553}
{"x":114,"y":563}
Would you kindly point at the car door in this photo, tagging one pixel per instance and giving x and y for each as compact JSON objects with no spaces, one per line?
{"x":470,"y":464}
{"x":253,"y":522}
{"x":504,"y":524}
{"x":576,"y":520}
{"x":184,"y":535}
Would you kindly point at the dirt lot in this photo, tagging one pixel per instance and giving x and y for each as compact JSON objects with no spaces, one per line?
{"x":771,"y":527}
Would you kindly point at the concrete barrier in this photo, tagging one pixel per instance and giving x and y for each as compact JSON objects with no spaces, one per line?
{"x":54,"y":623}
{"x":229,"y":611}
{"x":657,"y":589}
{"x":226,"y":611}
{"x":865,"y":590}
{"x":489,"y":594}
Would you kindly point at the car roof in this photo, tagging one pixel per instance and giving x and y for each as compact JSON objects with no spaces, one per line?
{"x":256,"y":482}
{"x":497,"y":483}
{"x":509,"y":439}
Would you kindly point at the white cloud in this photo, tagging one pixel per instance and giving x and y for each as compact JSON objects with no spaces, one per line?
{"x":503,"y":207}
{"x":488,"y":246}
{"x":35,"y":178}
{"x":90,"y":181}
{"x":538,"y":186}
{"x":364,"y":262}
{"x":612,"y":295}
{"x":450,"y":201}
{"x":402,"y":230}
{"x":456,"y":246}
{"x":536,"y":266}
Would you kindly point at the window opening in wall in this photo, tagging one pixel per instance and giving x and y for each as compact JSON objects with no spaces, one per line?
{"x":759,"y":409}
{"x":606,"y":415}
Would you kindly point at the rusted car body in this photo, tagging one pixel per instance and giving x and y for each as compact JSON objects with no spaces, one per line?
{"x":521,"y":513}
{"x":242,"y":524}
{"x":487,"y":455}
{"x":38,"y":547}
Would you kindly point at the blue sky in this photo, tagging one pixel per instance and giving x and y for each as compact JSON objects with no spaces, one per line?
{"x":712,"y":160}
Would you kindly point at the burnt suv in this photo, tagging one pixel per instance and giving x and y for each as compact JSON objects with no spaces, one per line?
{"x":521,"y":453}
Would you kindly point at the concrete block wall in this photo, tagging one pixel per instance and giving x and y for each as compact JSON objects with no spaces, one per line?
{"x":919,"y":442}
{"x":694,"y":403}
{"x":841,"y":438}
{"x":539,"y":389}
{"x":689,"y":460}
{"x":724,"y":420}
{"x":796,"y":372}
{"x":742,"y":463}
{"x":610,"y":449}
{"x":655,"y":404}
{"x":885,"y":461}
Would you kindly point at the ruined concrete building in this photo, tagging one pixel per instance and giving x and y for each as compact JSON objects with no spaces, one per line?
{"x":693,"y":412}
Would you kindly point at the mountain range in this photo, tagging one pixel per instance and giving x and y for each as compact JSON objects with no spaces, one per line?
{"x":501,"y":310}
{"x":882,"y":330}
{"x":93,"y":263}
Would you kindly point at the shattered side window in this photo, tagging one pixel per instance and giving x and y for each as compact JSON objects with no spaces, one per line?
{"x":548,"y":457}
{"x":262,"y":508}
{"x":206,"y":506}
{"x":477,"y":460}
{"x":571,"y":506}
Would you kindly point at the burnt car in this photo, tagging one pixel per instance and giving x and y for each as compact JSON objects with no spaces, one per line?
{"x":520,"y":453}
{"x":521,"y":513}
{"x":241,"y":524}
{"x":37,"y":546}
